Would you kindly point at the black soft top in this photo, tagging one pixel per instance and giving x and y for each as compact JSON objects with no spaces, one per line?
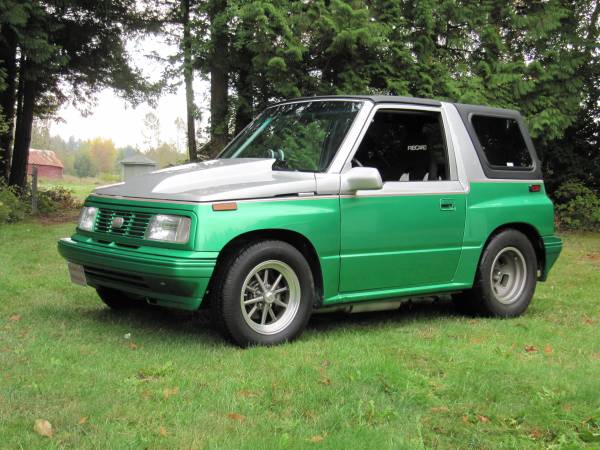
{"x":466,"y":112}
{"x":410,"y":101}
{"x":374,"y":99}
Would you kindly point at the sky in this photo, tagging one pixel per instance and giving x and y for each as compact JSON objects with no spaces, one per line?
{"x":111,"y":117}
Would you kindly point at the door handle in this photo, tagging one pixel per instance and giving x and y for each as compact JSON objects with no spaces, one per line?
{"x":447,"y":205}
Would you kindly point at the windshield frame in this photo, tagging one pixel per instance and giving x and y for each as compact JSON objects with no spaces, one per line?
{"x":345,"y":144}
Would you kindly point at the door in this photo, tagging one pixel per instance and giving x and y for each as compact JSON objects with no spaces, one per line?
{"x":409,"y":233}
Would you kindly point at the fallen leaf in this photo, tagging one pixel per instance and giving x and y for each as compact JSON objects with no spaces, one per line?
{"x":162,"y":431}
{"x":595,"y":257}
{"x":477,"y":340}
{"x":326,"y":381}
{"x":530,"y":349}
{"x":316,"y":439}
{"x":43,"y":427}
{"x":15,"y":317}
{"x":440,"y":409}
{"x":236,"y":416}
{"x":548,"y":350}
{"x":568,"y":408}
{"x":465,"y":419}
{"x":132,"y":345}
{"x":170,"y":392}
{"x":246,"y":394}
{"x":82,"y":420}
{"x":483,"y":419}
{"x":587,"y":320}
{"x":535,"y":434}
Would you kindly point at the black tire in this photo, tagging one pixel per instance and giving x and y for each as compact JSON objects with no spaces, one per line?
{"x":492,"y":294}
{"x":243,"y":324}
{"x":119,"y":300}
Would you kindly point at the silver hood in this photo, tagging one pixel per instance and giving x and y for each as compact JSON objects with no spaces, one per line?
{"x":215,"y":180}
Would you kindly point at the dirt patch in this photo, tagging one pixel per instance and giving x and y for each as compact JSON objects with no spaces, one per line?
{"x":69,"y":215}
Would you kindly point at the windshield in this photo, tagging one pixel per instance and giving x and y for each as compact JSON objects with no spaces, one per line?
{"x":302,"y":136}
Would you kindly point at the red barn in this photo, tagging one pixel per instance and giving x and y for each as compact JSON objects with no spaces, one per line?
{"x":47,"y":162}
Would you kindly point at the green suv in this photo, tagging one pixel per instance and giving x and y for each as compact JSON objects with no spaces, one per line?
{"x":329,"y":202}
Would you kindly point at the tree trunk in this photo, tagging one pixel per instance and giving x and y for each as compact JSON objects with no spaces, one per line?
{"x":244,"y":110}
{"x":18,"y":171}
{"x":8,"y":57}
{"x":188,"y":75}
{"x":219,"y":80}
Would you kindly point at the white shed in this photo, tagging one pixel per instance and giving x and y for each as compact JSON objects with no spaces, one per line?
{"x":136,"y":165}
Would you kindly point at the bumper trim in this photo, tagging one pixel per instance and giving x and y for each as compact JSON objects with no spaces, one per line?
{"x":552,"y":248}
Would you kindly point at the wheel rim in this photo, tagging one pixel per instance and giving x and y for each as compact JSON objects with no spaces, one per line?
{"x":270,"y":297}
{"x":509,"y":275}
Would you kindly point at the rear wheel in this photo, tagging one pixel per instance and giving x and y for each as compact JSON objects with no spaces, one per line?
{"x":119,"y":300}
{"x":506,"y":277}
{"x":266,"y":295}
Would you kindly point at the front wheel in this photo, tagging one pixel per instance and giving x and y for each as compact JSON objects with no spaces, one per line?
{"x":506,"y":277}
{"x":266,"y":295}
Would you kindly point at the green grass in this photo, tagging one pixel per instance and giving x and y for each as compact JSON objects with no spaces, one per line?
{"x":419,"y":377}
{"x":81,"y":187}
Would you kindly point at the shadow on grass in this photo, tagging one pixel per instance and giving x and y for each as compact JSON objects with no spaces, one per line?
{"x":419,"y":310}
{"x":147,"y":320}
{"x":198,"y":326}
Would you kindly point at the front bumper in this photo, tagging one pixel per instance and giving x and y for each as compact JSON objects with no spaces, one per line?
{"x":552,"y":248}
{"x":177,"y":280}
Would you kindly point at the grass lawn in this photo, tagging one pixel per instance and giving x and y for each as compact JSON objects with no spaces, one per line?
{"x":420,"y":377}
{"x":81,"y":187}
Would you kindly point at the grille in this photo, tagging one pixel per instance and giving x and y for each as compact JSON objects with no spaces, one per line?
{"x":102,"y":275}
{"x":134,"y":223}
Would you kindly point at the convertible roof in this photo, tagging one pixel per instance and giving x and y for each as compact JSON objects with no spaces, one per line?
{"x":374,"y":99}
{"x":411,"y":101}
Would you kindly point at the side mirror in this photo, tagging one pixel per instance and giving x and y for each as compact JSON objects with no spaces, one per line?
{"x":361,"y":179}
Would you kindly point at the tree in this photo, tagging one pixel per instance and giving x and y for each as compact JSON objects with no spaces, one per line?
{"x":180,"y":130}
{"x":102,"y":153}
{"x":40,"y":135}
{"x":188,"y":74}
{"x":151,"y":131}
{"x":65,"y":50}
{"x":165,"y":155}
{"x":217,"y":61}
{"x":83,"y":165}
{"x":12,"y":17}
{"x":179,"y":23}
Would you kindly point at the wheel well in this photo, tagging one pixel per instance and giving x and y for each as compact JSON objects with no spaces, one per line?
{"x":297,"y":240}
{"x":532,"y":234}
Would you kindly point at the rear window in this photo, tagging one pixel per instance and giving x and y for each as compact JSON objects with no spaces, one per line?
{"x":502,"y":142}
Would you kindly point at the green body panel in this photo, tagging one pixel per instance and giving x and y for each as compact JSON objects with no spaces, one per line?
{"x":318,"y":220}
{"x":552,"y":248}
{"x":492,"y":205}
{"x":400,"y":241}
{"x":368,"y":248}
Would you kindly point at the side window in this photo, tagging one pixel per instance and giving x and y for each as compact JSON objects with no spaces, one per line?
{"x":502,"y":142}
{"x":405,"y":146}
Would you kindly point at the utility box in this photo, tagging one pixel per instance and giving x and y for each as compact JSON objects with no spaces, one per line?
{"x":136,"y":165}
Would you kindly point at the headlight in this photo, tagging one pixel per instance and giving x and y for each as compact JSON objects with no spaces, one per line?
{"x":163,"y":227}
{"x":87,"y":218}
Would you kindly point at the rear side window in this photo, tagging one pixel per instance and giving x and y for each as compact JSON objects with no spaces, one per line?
{"x":502,"y":142}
